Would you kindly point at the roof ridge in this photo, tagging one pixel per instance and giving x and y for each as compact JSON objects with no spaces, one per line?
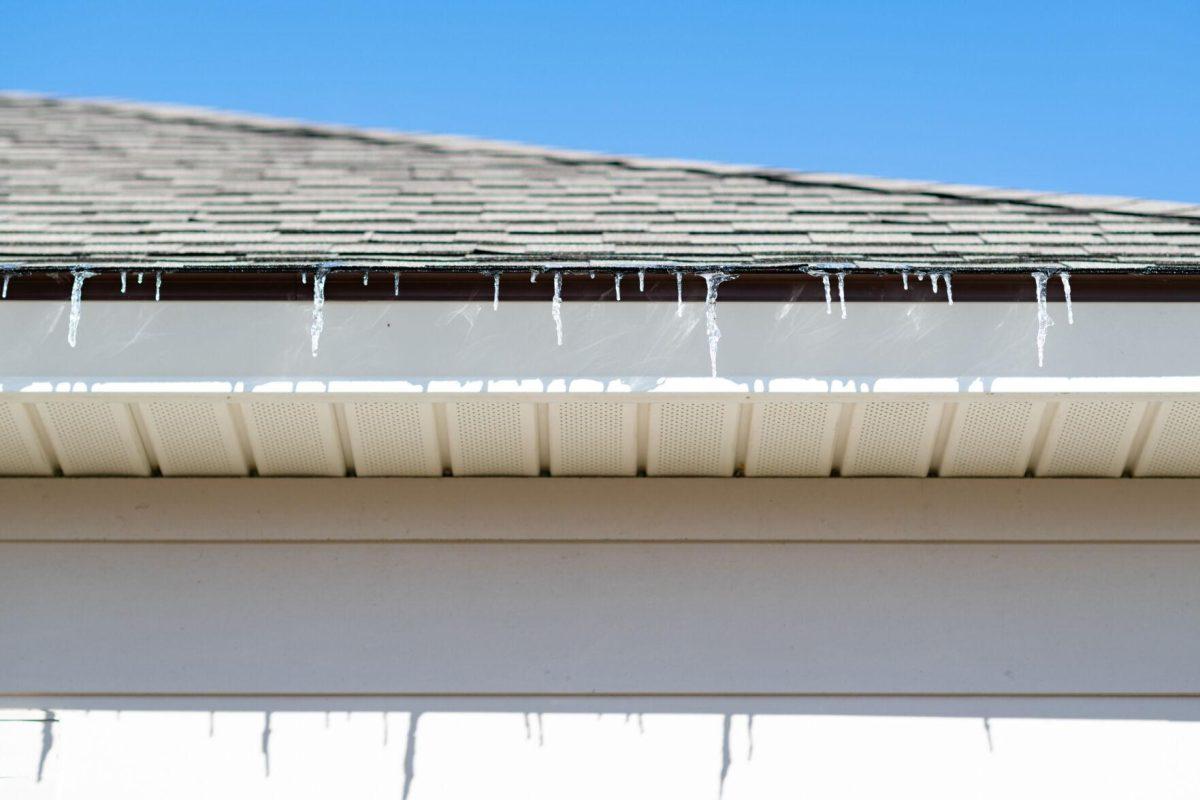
{"x":461,"y":143}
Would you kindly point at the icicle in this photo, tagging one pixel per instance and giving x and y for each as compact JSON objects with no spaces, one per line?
{"x":318,"y":309}
{"x":76,"y":303}
{"x":48,"y":720}
{"x":617,"y":283}
{"x":414,"y":719}
{"x":366,"y":277}
{"x":828,"y":293}
{"x":141,"y":275}
{"x":124,"y":280}
{"x":749,"y":737}
{"x":592,"y":274}
{"x":304,"y":277}
{"x":529,"y":716}
{"x":395,"y":284}
{"x":495,"y":291}
{"x":712,"y":280}
{"x":533,"y":276}
{"x":949,"y":288}
{"x":1066,"y":282}
{"x":1043,"y":315}
{"x":265,"y":743}
{"x":4,"y":290}
{"x":842,"y":292}
{"x":904,"y":279}
{"x":157,"y":285}
{"x":641,"y":280}
{"x":933,"y":281}
{"x":679,"y":294}
{"x":556,"y":307}
{"x":726,"y":760}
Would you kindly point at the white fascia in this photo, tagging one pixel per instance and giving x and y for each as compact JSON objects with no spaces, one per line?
{"x":445,"y":350}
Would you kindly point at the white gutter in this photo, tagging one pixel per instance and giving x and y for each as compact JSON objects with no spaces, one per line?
{"x":450,"y":349}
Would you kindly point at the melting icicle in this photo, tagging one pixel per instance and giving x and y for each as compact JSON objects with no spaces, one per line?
{"x":141,"y":275}
{"x":157,"y":286}
{"x":304,"y":277}
{"x":1066,"y":282}
{"x":385,"y":729}
{"x":749,"y":737}
{"x":366,"y":277}
{"x":318,"y":309}
{"x":712,"y":280}
{"x":592,"y":274}
{"x":76,"y":303}
{"x":410,"y":754}
{"x":212,"y":723}
{"x":726,"y":760}
{"x":47,"y":741}
{"x":495,"y":291}
{"x":1043,"y":315}
{"x":933,"y":281}
{"x":949,"y":288}
{"x":528,"y":729}
{"x":395,"y":284}
{"x":828,"y":293}
{"x":617,"y":283}
{"x":842,"y":292}
{"x":124,"y":280}
{"x":987,"y":730}
{"x":4,"y":290}
{"x":679,"y":294}
{"x":533,"y":276}
{"x":641,"y":280}
{"x":266,"y":742}
{"x":904,"y":279}
{"x":556,"y":307}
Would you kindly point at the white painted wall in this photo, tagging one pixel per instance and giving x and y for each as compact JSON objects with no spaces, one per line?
{"x":586,"y":754}
{"x":869,"y":626}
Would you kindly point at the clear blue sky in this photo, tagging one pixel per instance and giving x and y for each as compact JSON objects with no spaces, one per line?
{"x":1096,"y":96}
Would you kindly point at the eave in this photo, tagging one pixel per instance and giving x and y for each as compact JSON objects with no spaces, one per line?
{"x":433,"y":387}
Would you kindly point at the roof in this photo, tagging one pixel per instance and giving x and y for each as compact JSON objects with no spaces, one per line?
{"x":116,"y":185}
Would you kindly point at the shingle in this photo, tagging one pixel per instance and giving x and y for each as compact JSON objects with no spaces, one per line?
{"x":100,"y":182}
{"x":1038,"y":238}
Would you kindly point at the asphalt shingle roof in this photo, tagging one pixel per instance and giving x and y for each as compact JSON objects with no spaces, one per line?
{"x":121,"y":185}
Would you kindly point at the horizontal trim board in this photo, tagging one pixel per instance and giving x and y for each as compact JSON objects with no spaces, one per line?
{"x":793,"y":286}
{"x":996,"y":706}
{"x":598,"y":509}
{"x":447,"y":618}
